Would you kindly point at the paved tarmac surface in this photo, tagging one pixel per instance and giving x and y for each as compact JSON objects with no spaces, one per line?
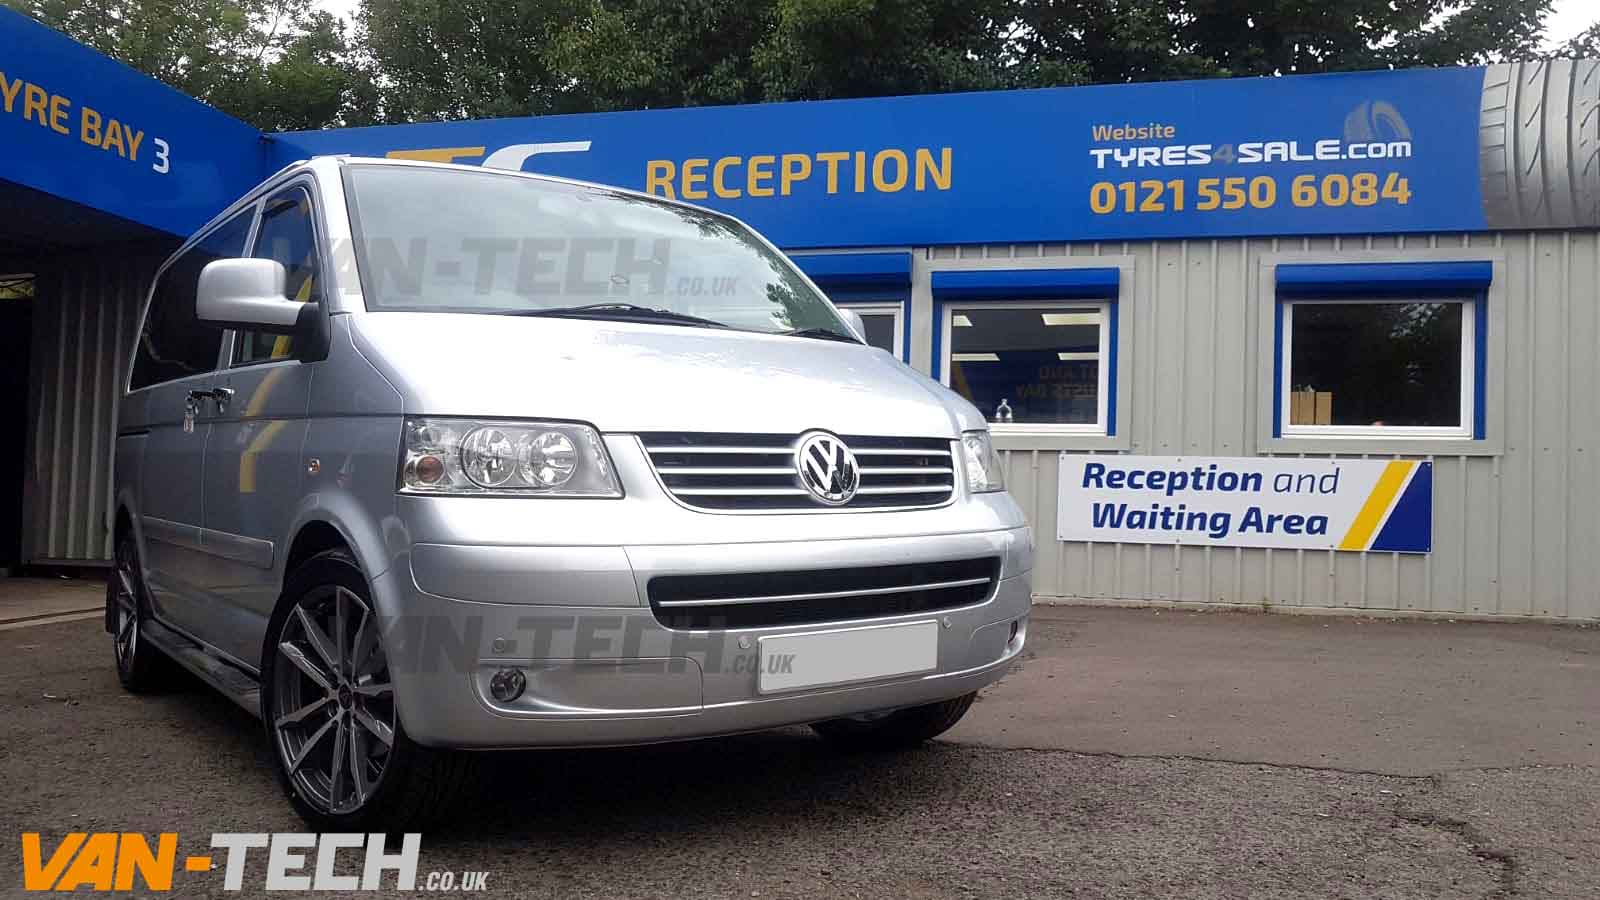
{"x":26,"y":602}
{"x":1135,"y":754}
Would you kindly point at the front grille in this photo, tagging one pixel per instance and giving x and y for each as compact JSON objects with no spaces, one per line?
{"x":756,"y":600}
{"x":754,"y":472}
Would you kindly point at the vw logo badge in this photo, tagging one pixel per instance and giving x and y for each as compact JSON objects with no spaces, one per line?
{"x":827,"y":468}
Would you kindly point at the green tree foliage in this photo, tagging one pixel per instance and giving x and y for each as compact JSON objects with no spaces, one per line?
{"x":526,"y":57}
{"x":277,"y":64}
{"x":650,"y":53}
{"x":655,"y":53}
{"x":464,"y":58}
{"x":580,"y":55}
{"x":1141,"y":40}
{"x":280,"y":64}
{"x":819,"y":49}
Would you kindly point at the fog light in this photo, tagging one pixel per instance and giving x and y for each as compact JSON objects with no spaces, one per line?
{"x":1019,"y":633}
{"x":507,"y":685}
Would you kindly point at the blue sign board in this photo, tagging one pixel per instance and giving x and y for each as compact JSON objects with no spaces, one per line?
{"x":1350,"y":153}
{"x":1357,"y":153}
{"x":81,"y":126}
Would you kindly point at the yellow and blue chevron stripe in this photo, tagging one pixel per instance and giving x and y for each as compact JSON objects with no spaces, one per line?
{"x":1398,"y":513}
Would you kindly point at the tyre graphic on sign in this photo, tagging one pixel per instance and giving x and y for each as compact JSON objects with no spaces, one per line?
{"x":1539,"y":144}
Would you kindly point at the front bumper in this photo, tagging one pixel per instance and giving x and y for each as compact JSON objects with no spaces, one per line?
{"x":558,"y":588}
{"x":601,"y":670}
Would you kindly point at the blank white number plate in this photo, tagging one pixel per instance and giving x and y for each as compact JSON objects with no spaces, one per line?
{"x":846,"y":655}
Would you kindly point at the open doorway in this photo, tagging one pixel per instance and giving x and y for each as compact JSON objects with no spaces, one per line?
{"x":16,"y":337}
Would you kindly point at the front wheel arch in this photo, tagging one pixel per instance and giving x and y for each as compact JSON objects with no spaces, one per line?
{"x":122,"y":523}
{"x":415,"y":784}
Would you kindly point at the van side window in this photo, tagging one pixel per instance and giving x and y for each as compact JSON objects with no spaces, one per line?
{"x":288,"y":236}
{"x":174,"y":343}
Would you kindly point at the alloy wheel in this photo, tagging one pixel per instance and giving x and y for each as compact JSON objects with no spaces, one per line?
{"x":126,"y":637}
{"x":333,"y":712}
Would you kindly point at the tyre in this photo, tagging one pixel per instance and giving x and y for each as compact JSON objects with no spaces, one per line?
{"x":141,"y":668}
{"x":898,"y":730}
{"x":341,"y":754}
{"x":1539,"y":144}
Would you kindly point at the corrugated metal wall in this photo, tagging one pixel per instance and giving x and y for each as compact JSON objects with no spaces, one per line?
{"x":1515,"y":533}
{"x":85,"y":313}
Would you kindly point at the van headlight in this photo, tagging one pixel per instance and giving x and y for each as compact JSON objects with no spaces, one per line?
{"x":981,"y":463}
{"x":535,"y":459}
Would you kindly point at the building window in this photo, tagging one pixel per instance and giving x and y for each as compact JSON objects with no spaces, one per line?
{"x":876,"y":285}
{"x":1390,"y":367}
{"x":885,"y":324}
{"x":1031,"y":366}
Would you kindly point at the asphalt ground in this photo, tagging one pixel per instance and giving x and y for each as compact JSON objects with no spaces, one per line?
{"x":1134,"y":754}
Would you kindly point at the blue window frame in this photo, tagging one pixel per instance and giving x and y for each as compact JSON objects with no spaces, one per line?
{"x":1381,"y":350}
{"x":1034,"y":349}
{"x":875,"y":285}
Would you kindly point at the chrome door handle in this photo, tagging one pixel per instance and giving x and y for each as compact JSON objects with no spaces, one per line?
{"x":220,"y":396}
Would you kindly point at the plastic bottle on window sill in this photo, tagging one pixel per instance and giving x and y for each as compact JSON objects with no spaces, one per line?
{"x":1002,"y":413}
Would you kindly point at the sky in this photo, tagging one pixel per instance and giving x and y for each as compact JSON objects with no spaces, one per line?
{"x":1571,"y":17}
{"x":344,"y":9}
{"x":1568,"y":18}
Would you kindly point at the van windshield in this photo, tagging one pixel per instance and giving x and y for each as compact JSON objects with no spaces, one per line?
{"x":460,"y":241}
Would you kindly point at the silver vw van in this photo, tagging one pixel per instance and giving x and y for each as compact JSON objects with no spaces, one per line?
{"x":419,"y":458}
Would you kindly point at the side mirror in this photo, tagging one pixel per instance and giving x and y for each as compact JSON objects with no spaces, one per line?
{"x":248,"y":294}
{"x":853,"y":319}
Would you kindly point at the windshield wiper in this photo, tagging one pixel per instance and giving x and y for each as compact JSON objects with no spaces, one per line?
{"x":627,"y":312}
{"x":825,"y":334}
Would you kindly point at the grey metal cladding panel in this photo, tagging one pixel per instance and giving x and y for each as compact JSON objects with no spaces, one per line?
{"x":1539,"y":144}
{"x":1515,"y":534}
{"x":84,"y":320}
